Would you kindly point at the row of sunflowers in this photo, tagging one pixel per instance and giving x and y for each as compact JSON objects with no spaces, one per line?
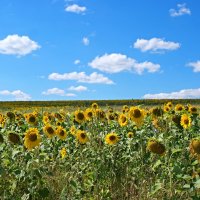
{"x":101,"y":153}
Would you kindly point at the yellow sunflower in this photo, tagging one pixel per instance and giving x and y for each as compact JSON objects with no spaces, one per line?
{"x":32,"y":138}
{"x":169,"y":104}
{"x":63,"y":153}
{"x":48,"y":130}
{"x":130,"y":134}
{"x":111,"y":138}
{"x":195,"y":146}
{"x":193,"y":110}
{"x":88,"y":114}
{"x":167,"y":108}
{"x":14,"y":138}
{"x":179,"y":107}
{"x":125,"y":109}
{"x":81,"y":136}
{"x":136,"y":115}
{"x":156,"y":112}
{"x":79,"y":116}
{"x":31,"y":119}
{"x":122,"y":120}
{"x":185,"y":121}
{"x":155,"y":147}
{"x":94,"y":106}
{"x":73,"y":130}
{"x":61,"y":132}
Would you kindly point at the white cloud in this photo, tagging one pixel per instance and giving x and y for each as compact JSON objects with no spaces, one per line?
{"x":57,"y":91}
{"x":114,"y":63}
{"x":181,"y":10}
{"x":81,"y":77}
{"x":17,"y":94}
{"x":76,"y":9}
{"x":17,"y":45}
{"x":195,"y":66}
{"x":76,"y":62}
{"x":86,"y":41}
{"x":79,"y":88}
{"x":182,"y":94}
{"x":155,"y":44}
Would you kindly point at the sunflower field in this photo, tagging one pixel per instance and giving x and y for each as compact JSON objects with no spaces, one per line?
{"x":100,"y":153}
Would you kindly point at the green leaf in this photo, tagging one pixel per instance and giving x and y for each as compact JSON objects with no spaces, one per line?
{"x":186,"y":186}
{"x":187,"y":177}
{"x":197,"y":184}
{"x":195,"y":162}
{"x":158,"y":162}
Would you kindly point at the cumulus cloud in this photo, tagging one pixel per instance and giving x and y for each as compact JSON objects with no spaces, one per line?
{"x":114,"y":63}
{"x":57,"y":91}
{"x":17,"y":45}
{"x":195,"y":66}
{"x":155,"y":44}
{"x":74,"y":8}
{"x":17,"y":94}
{"x":81,"y":77}
{"x":79,"y":88}
{"x":182,"y":94}
{"x":76,"y":62}
{"x":181,"y":10}
{"x":86,"y":41}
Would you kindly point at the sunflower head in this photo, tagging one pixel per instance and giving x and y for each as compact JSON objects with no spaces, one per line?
{"x":122,"y":120}
{"x":79,"y":116}
{"x":94,"y":106}
{"x":73,"y":130}
{"x":111,"y":138}
{"x":63,"y":153}
{"x":195,"y":146}
{"x":10,"y":115}
{"x":193,"y":110}
{"x":136,"y":115}
{"x":155,"y":147}
{"x":14,"y":138}
{"x":31,"y":119}
{"x":179,"y":107}
{"x":125,"y":109}
{"x":169,"y":104}
{"x":177,"y":120}
{"x":81,"y":136}
{"x":157,"y":112}
{"x":48,"y":130}
{"x":130,"y":134}
{"x":88,"y":114}
{"x":61,"y":132}
{"x":32,"y":138}
{"x":185,"y":121}
{"x":167,"y":108}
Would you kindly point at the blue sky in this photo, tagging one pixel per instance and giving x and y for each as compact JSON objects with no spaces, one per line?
{"x":103,"y":49}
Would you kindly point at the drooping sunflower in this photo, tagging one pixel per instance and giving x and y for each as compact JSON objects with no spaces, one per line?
{"x":185,"y":121}
{"x":14,"y":138}
{"x":111,"y":138}
{"x":177,"y":120}
{"x":122,"y":120}
{"x":88,"y":114}
{"x":137,"y":115}
{"x":63,"y":153}
{"x":32,"y":138}
{"x":48,"y":130}
{"x":10,"y":115}
{"x":81,"y":136}
{"x":101,"y":115}
{"x":156,"y":147}
{"x":179,"y":107}
{"x":193,"y":110}
{"x":195,"y":146}
{"x":156,"y":112}
{"x":61,"y":132}
{"x":79,"y":116}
